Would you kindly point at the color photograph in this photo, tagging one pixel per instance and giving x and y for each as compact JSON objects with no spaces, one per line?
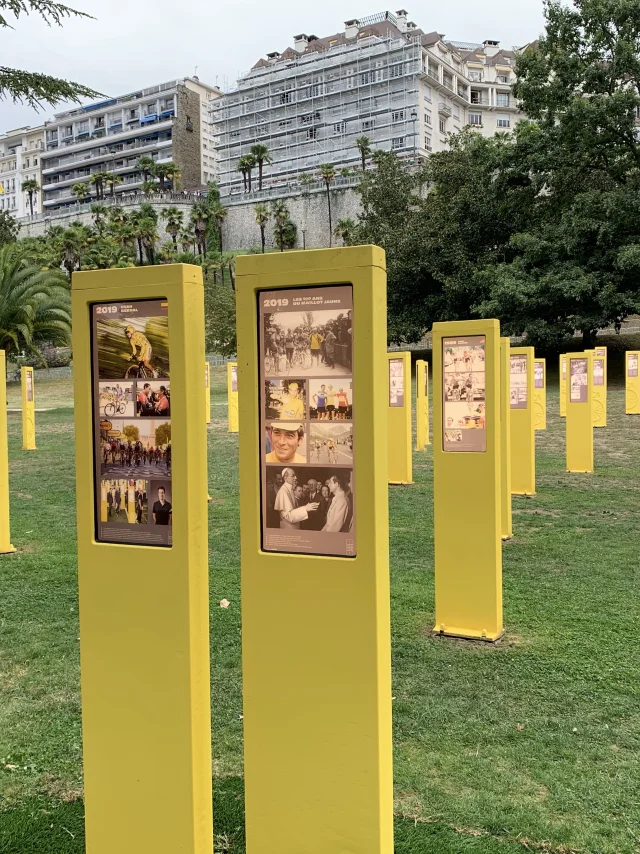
{"x":133,"y":347}
{"x":464,"y":416}
{"x":135,"y":448}
{"x":125,"y":501}
{"x":285,"y":400}
{"x":161,"y":509}
{"x":307,"y":343}
{"x":153,"y":399}
{"x":285,"y":442}
{"x":330,"y":400}
{"x":331,"y":444}
{"x":315,"y":499}
{"x":116,"y":399}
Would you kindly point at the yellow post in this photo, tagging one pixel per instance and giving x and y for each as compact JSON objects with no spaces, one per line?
{"x":399,"y":418}
{"x":632,"y":383}
{"x":579,"y":424}
{"x":563,"y":385}
{"x":422,"y":405}
{"x":28,"y":410}
{"x":207,"y":386}
{"x":466,"y":462}
{"x":523,"y":443}
{"x":317,"y":702}
{"x":232,"y":396}
{"x":600,"y":387}
{"x":505,"y":440}
{"x":143,"y":586}
{"x":540,"y":394}
{"x":5,"y":534}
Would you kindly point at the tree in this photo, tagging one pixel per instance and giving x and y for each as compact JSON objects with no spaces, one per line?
{"x":262,"y":218}
{"x":30,"y":186}
{"x":245,"y":166}
{"x":131,"y":433}
{"x":144,"y":231}
{"x":97,"y":181}
{"x":164,"y":171}
{"x":145,"y":165}
{"x":34,"y":305}
{"x":220,"y":316}
{"x":200,"y":214}
{"x":112,"y":181}
{"x":80,"y":191}
{"x":345,"y":229}
{"x":174,"y":218}
{"x":327,"y":174}
{"x":285,"y":231}
{"x":363,"y":144}
{"x":219,"y":215}
{"x":262,"y":155}
{"x":149,"y":187}
{"x":163,"y":434}
{"x":9,"y":228}
{"x":29,"y":87}
{"x":100,"y":213}
{"x":70,"y":244}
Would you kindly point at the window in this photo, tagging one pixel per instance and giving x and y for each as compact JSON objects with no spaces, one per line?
{"x":476,"y":96}
{"x":67,"y":131}
{"x":286,"y":97}
{"x":284,"y":123}
{"x":427,"y":118}
{"x":443,"y":125}
{"x":306,"y":120}
{"x":395,"y":70}
{"x":502,"y":78}
{"x":427,"y":142}
{"x":312,"y":133}
{"x":52,"y":135}
{"x":476,"y":76}
{"x":35,"y":161}
{"x":503,"y":122}
{"x":475,"y":119}
{"x":427,"y":94}
{"x":340,"y":127}
{"x":82,"y":127}
{"x":397,"y":116}
{"x":397,"y":142}
{"x":368,"y":124}
{"x":27,"y":163}
{"x":502,"y":99}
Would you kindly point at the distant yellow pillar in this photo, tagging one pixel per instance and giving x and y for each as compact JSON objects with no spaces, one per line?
{"x":467,"y":478}
{"x":563,"y":385}
{"x":600,"y":387}
{"x":207,"y":390}
{"x":505,"y":440}
{"x":632,"y":382}
{"x":422,"y":405}
{"x":579,"y":424}
{"x":232,"y":396}
{"x":5,"y":534}
{"x":399,"y":418}
{"x":540,"y":394}
{"x":523,"y":446}
{"x":28,"y":410}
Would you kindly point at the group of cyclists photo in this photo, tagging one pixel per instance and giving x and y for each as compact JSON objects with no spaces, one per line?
{"x":127,"y":454}
{"x":310,"y":343}
{"x":330,"y":403}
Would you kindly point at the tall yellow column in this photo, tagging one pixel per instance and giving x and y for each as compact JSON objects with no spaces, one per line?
{"x":632,"y":382}
{"x":563,"y":385}
{"x":143,"y":586}
{"x":5,"y":534}
{"x":232,"y":396}
{"x":523,"y":444}
{"x":505,"y":440}
{"x":207,"y":387}
{"x":422,"y":405}
{"x":399,"y":417}
{"x":540,"y":394}
{"x":467,"y":478}
{"x":579,"y":424}
{"x":28,"y":410}
{"x":600,"y":387}
{"x":317,"y":700}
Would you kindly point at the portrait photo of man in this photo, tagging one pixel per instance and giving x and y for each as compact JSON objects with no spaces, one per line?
{"x":162,"y":509}
{"x":286,"y":440}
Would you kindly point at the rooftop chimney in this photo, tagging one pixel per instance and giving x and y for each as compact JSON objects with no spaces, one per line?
{"x":273,"y":55}
{"x":491,"y":47}
{"x":300,"y":42}
{"x":401,"y":18}
{"x":351,"y":28}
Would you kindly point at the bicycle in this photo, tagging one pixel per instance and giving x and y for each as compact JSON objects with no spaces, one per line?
{"x":139,"y":371}
{"x":112,"y":408}
{"x":269,"y":364}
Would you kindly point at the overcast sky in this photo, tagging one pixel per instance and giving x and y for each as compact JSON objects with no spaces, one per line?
{"x":133,"y":44}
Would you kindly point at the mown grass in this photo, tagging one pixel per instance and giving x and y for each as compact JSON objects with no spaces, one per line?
{"x":531,"y":744}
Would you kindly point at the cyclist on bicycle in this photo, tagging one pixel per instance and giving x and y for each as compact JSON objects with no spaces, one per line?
{"x":139,"y":340}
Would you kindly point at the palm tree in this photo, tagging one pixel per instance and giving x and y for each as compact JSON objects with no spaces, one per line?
{"x":70,"y":244}
{"x":172,"y":172}
{"x":188,"y":240}
{"x":80,"y":191}
{"x":145,"y":165}
{"x":328,"y":173}
{"x":262,"y":218}
{"x":97,"y":180}
{"x":149,"y":187}
{"x":363,"y":144}
{"x":242,"y":168}
{"x":200,"y":215}
{"x":30,"y":186}
{"x":34,"y":304}
{"x":164,"y":171}
{"x":219,"y":214}
{"x":174,"y":219}
{"x":100,"y":212}
{"x":148,"y":211}
{"x":344,"y":229}
{"x":112,"y":181}
{"x":144,"y":231}
{"x":280,"y":213}
{"x":261,"y":154}
{"x":116,"y":215}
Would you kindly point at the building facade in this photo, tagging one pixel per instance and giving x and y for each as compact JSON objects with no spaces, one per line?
{"x":21,"y":153}
{"x":168,"y":123}
{"x":382,"y":77}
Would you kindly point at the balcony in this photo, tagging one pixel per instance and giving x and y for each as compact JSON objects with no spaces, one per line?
{"x":444,"y":109}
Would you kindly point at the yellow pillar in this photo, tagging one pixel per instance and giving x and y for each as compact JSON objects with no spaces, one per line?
{"x":317,"y":700}
{"x":207,"y":386}
{"x":579,"y":424}
{"x":28,"y":410}
{"x":422,"y":405}
{"x":143,"y":587}
{"x":632,"y":383}
{"x":467,"y":478}
{"x":600,"y":387}
{"x":523,"y":445}
{"x":540,"y":394}
{"x":232,"y":396}
{"x":505,"y":440}
{"x":399,"y":418}
{"x":563,"y":386}
{"x":5,"y":534}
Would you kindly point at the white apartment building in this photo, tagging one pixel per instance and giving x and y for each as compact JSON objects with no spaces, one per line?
{"x":20,"y":160}
{"x":167,"y":122}
{"x":382,"y":77}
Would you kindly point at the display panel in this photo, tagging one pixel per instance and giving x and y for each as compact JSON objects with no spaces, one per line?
{"x":396,"y":382}
{"x":464,"y":394}
{"x":598,"y":371}
{"x":579,"y":392}
{"x":518,"y":382}
{"x":132,"y":422}
{"x":234,"y":378}
{"x":564,"y":367}
{"x":29,"y":379}
{"x":206,"y":375}
{"x":632,"y":365}
{"x":307,"y":420}
{"x":538,"y":375}
{"x":601,"y":351}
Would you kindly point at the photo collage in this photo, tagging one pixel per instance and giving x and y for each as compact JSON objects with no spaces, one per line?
{"x":396,"y":382}
{"x":464,"y":392}
{"x":307,"y":418}
{"x":538,"y":374}
{"x":598,"y":371}
{"x":579,"y":389}
{"x":518,"y":381}
{"x":632,"y":365}
{"x":132,"y":412}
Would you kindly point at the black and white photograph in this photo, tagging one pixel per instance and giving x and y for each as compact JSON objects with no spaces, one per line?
{"x":307,"y":343}
{"x":310,"y":498}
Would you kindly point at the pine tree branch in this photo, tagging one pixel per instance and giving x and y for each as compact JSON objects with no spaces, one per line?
{"x":49,"y":11}
{"x":39,"y":89}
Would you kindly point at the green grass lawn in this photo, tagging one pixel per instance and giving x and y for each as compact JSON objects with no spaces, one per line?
{"x":532,"y":744}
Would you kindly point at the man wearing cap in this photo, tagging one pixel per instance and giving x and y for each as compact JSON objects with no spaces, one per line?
{"x":291,"y":405}
{"x":286,"y":437}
